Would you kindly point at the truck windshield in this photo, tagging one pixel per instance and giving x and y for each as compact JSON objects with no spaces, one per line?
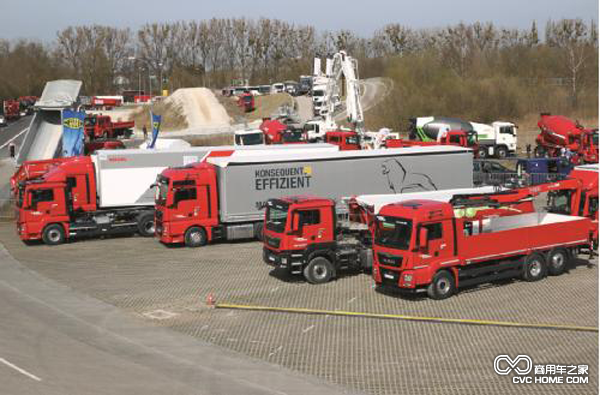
{"x":393,"y":232}
{"x":162,"y":190}
{"x":277,"y":213}
{"x":293,"y":136}
{"x":559,"y":202}
{"x":251,"y":139}
{"x":318,"y":93}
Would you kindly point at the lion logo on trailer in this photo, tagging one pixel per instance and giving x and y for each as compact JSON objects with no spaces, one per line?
{"x":401,"y":180}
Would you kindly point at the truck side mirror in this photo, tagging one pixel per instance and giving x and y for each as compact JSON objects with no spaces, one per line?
{"x":423,"y":239}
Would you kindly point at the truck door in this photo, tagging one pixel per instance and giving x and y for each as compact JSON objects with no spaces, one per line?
{"x":311,"y":229}
{"x":186,"y":202}
{"x":48,"y":202}
{"x":439,"y":241}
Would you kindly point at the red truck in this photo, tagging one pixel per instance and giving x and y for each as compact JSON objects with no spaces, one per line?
{"x":101,"y":126}
{"x":293,"y":239}
{"x":106,"y":102}
{"x":246,"y":102}
{"x":346,"y":140}
{"x":423,"y":245}
{"x":277,"y":132}
{"x":11,"y":109}
{"x":558,"y":133}
{"x":319,"y":249}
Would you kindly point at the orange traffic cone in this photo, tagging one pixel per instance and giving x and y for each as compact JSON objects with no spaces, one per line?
{"x":210,"y":299}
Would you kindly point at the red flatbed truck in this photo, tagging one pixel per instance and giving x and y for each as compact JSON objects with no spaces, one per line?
{"x":101,"y":126}
{"x":423,"y":245}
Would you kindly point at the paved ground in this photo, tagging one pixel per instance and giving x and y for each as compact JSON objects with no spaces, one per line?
{"x":9,"y":132}
{"x":168,"y":287}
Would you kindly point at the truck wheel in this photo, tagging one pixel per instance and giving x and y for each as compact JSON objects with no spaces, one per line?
{"x":258,"y":232}
{"x":145,"y":225}
{"x":195,"y":237}
{"x":53,"y":234}
{"x":482,"y":153}
{"x":318,"y":271}
{"x":442,"y":286}
{"x":501,"y":152}
{"x":534,"y":268}
{"x":558,"y":259}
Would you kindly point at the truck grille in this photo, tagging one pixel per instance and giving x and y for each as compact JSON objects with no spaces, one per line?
{"x":273,"y":241}
{"x":389,"y":260}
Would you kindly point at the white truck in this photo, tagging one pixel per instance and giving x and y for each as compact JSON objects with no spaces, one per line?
{"x":496,"y":140}
{"x":248,"y":137}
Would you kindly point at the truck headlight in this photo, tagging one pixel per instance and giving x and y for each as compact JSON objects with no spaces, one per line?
{"x":408,"y":278}
{"x":284,"y":261}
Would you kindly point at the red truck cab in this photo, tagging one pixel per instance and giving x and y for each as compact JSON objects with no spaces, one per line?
{"x":187,"y":205}
{"x":277,"y":132}
{"x":346,"y":140}
{"x":246,"y":102}
{"x":301,"y":236}
{"x":44,"y":205}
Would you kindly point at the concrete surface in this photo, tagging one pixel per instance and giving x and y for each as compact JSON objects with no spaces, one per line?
{"x":56,"y":341}
{"x":168,"y":287}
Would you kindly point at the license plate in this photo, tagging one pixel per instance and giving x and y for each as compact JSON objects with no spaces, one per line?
{"x":389,"y":276}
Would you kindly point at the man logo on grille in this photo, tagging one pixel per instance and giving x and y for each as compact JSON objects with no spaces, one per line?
{"x":521,"y":365}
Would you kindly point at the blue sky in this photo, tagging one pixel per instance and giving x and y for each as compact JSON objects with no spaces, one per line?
{"x":41,"y":19}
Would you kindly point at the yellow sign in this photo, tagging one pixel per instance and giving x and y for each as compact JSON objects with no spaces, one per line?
{"x":308,"y":170}
{"x":73,"y":123}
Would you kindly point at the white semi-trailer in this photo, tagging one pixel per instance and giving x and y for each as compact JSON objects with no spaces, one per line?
{"x":225,"y":197}
{"x":110,"y":191}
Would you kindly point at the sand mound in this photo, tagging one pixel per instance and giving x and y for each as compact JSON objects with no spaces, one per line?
{"x":200,"y":107}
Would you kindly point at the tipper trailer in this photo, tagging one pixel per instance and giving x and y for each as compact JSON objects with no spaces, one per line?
{"x":224,"y":198}
{"x":105,"y":193}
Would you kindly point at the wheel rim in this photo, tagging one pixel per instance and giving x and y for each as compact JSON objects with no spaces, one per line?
{"x":443,"y":286}
{"x":320,"y":272}
{"x":149,"y":227}
{"x":196,"y":237}
{"x":501,"y":153}
{"x":535,"y":268}
{"x":558,"y":260}
{"x":54,"y":235}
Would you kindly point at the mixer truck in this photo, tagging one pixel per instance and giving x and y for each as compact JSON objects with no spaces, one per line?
{"x":558,"y":133}
{"x":496,"y":140}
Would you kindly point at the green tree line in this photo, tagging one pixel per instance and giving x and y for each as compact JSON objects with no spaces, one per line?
{"x":477,"y":70}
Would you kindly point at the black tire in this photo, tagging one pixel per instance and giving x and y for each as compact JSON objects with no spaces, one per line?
{"x":53,"y":234}
{"x":501,"y":152}
{"x":442,"y":286}
{"x":195,"y":237}
{"x":539,"y":152}
{"x":558,"y":261}
{"x":534,"y":267}
{"x":259,"y":231}
{"x":482,"y":153}
{"x":145,"y":224}
{"x":319,"y":271}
